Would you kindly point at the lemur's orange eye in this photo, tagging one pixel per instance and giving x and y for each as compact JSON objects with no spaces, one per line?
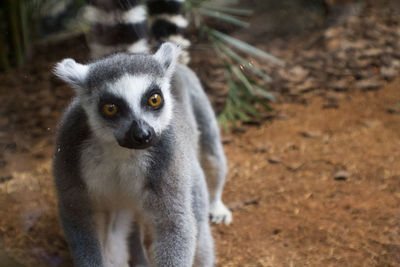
{"x":155,"y":100}
{"x":110,"y":109}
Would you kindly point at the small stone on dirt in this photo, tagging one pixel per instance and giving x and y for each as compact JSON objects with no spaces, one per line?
{"x":373,"y":52}
{"x":389,"y":73}
{"x":393,"y":110}
{"x":274,"y":160}
{"x":371,"y":123}
{"x":341,"y":175}
{"x":276,"y":231}
{"x":369,"y":84}
{"x":308,"y":85}
{"x":309,"y":134}
{"x":340,"y":85}
{"x":297,"y":74}
{"x":294,"y":166}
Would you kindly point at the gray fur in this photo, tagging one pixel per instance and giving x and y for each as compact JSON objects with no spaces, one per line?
{"x":113,"y":67}
{"x":74,"y":209}
{"x":212,"y":156}
{"x":103,"y":187}
{"x":160,"y":157}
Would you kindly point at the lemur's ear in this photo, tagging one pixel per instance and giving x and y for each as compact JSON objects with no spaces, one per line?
{"x":72,"y":72}
{"x":168,"y":55}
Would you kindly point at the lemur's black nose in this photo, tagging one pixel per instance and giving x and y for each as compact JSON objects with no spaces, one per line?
{"x":139,"y":136}
{"x":143,"y":137}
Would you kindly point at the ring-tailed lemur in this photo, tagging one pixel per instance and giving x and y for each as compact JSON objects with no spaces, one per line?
{"x":121,"y":25}
{"x":127,"y":151}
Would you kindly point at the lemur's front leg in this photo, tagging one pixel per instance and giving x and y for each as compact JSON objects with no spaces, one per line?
{"x":172,"y":225}
{"x":80,"y":229}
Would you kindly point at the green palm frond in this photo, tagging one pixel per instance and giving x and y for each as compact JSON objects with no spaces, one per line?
{"x":224,"y":17}
{"x":245,"y":47}
{"x":245,"y":81}
{"x":229,"y":10}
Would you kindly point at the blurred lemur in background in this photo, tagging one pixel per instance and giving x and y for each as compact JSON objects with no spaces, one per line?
{"x":136,"y":144}
{"x":129,"y":26}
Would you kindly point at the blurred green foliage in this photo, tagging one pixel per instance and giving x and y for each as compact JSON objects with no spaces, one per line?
{"x":246,"y":91}
{"x":20,"y":25}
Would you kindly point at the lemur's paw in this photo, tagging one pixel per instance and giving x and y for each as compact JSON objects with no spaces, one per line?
{"x":219,"y":213}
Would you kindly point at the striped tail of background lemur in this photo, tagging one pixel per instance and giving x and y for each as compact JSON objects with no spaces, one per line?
{"x":129,"y":26}
{"x":138,"y":150}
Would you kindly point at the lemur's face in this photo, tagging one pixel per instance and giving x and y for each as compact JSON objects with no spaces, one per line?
{"x":133,"y":110}
{"x":127,"y":97}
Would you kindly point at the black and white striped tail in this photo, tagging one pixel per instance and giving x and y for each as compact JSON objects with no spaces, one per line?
{"x":116,"y":26}
{"x":167,"y":23}
{"x":121,"y":25}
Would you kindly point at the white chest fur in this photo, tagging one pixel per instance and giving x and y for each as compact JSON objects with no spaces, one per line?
{"x":115,"y":177}
{"x":112,"y":173}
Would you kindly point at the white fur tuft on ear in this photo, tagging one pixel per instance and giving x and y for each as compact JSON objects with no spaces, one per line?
{"x":168,"y":55}
{"x":71,"y":72}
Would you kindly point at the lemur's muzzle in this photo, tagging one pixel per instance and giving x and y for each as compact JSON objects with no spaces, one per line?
{"x":139,"y":136}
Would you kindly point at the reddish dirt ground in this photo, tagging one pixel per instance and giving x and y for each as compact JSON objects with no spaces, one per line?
{"x":289,"y":210}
